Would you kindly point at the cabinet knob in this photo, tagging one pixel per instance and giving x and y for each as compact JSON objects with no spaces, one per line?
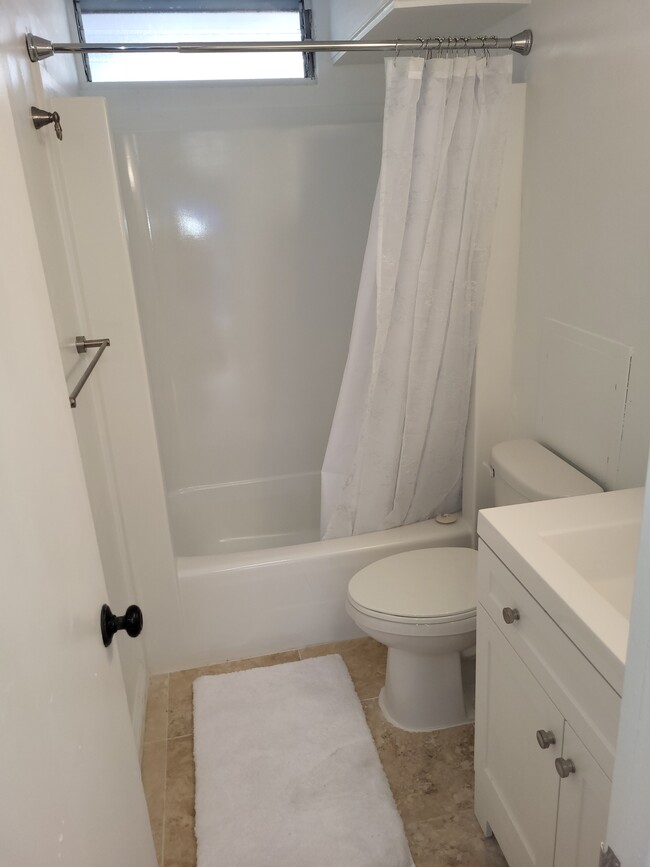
{"x":545,"y":739}
{"x":510,"y":615}
{"x":564,"y":767}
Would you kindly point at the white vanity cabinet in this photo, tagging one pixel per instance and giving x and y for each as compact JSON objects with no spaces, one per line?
{"x":539,"y":703}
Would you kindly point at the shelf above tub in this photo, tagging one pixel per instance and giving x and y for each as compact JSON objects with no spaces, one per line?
{"x":410,"y":19}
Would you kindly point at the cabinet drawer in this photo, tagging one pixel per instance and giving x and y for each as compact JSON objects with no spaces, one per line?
{"x":582,"y":695}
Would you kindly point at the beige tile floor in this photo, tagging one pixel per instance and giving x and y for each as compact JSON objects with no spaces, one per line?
{"x":430,"y":774}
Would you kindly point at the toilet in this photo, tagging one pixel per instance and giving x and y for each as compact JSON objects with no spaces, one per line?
{"x":422,"y":604}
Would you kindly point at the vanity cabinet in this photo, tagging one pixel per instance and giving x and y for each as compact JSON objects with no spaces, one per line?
{"x":541,"y":709}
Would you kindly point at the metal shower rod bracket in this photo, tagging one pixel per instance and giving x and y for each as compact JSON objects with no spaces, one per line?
{"x":39,"y":48}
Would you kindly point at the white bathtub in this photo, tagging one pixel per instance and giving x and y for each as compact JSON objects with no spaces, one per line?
{"x":257,"y":602}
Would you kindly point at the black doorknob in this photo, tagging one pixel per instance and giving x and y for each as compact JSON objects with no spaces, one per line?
{"x":110,"y":623}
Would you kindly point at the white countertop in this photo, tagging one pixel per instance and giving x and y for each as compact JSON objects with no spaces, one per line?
{"x":577,"y":557}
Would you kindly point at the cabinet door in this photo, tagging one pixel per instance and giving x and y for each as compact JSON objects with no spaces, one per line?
{"x":584,"y":804}
{"x":516,"y":781}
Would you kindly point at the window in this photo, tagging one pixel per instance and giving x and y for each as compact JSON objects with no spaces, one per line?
{"x":195,"y":21}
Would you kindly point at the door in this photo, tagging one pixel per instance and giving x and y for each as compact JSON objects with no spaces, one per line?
{"x":70,"y":784}
{"x":513,"y":775}
{"x":582,"y":811}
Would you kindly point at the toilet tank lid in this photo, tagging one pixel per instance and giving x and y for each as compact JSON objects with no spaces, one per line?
{"x":537,"y":473}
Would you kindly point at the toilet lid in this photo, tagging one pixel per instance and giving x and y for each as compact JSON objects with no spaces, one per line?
{"x":433,"y":582}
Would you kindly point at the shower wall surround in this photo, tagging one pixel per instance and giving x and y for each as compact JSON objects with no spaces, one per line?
{"x":248,"y":210}
{"x":256,"y":240}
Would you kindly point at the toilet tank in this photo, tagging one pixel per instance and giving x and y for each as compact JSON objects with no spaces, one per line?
{"x":524,"y":471}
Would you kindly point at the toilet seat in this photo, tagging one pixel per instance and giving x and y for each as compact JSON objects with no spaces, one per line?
{"x":428,"y":586}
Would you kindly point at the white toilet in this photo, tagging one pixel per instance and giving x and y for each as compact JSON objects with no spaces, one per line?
{"x":422,"y":604}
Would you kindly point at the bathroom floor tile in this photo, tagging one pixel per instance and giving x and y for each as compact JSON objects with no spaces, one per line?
{"x":365,"y":659}
{"x":452,"y":840}
{"x":179,"y":846}
{"x":154,"y":775}
{"x":180,"y":687}
{"x":155,"y":724}
{"x":431,"y":774}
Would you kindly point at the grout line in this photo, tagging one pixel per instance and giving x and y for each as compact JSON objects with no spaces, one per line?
{"x":164,"y":816}
{"x":180,"y":737}
{"x":167,"y":710}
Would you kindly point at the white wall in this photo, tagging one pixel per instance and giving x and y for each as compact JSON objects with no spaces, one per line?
{"x":585,"y":255}
{"x":248,"y":209}
{"x":32,"y":84}
{"x":490,"y":409}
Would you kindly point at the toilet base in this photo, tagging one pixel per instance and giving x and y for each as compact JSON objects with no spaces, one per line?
{"x":423,"y":692}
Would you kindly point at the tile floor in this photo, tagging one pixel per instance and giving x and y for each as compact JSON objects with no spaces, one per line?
{"x":431,"y":774}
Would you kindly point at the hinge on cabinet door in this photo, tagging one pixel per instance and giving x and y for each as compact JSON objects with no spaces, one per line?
{"x":607,"y":857}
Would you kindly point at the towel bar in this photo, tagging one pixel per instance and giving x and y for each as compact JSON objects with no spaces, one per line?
{"x":83,"y":345}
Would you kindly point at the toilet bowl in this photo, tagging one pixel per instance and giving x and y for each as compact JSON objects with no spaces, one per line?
{"x":422,"y":605}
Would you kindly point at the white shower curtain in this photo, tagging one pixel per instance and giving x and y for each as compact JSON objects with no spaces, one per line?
{"x":395,"y":451}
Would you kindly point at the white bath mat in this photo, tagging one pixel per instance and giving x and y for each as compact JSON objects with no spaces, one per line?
{"x":287,"y":774}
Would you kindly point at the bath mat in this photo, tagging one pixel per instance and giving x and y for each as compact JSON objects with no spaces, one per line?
{"x":287,"y":774}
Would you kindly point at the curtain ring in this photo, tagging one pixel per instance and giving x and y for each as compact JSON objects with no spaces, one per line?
{"x":396,"y":58}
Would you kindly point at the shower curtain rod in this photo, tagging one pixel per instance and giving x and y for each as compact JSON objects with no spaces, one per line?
{"x":39,"y":48}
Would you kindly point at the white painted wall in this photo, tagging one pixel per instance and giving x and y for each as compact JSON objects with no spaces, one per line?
{"x":248,"y":210}
{"x":30,"y":84}
{"x":490,"y":409}
{"x":585,"y":256}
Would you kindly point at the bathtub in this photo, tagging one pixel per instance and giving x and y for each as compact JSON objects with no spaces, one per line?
{"x":239,"y":605}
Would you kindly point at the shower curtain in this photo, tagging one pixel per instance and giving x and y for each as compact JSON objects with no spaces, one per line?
{"x":395,"y":451}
